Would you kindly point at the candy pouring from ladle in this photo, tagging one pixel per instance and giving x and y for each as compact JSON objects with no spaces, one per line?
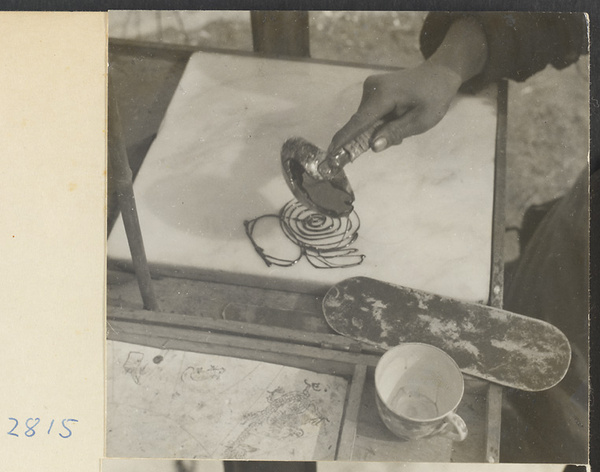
{"x":331,"y":196}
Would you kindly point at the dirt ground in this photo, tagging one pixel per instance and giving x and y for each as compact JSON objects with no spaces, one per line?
{"x":547,"y":142}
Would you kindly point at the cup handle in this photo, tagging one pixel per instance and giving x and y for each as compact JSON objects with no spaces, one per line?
{"x":454,"y":428}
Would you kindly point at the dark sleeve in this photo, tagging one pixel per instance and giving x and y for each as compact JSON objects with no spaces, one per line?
{"x":519,"y":43}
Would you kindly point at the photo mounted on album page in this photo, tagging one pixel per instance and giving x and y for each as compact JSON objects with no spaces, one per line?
{"x":347,"y":236}
{"x":52,"y":231}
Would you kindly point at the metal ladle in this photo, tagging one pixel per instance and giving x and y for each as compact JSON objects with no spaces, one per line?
{"x":317,"y":179}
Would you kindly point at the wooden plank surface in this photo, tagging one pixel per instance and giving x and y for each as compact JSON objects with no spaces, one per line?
{"x":317,"y":359}
{"x":184,"y":404}
{"x":350,"y":425}
{"x":237,"y":328}
{"x":197,"y":299}
{"x":493,"y":427}
{"x":371,"y":440}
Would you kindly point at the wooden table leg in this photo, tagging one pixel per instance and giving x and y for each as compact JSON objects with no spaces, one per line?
{"x":121,"y":174}
{"x":494,"y":402}
{"x":280,"y":33}
{"x":493,"y":413}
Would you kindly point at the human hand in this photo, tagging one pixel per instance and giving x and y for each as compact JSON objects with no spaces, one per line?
{"x":410,"y":101}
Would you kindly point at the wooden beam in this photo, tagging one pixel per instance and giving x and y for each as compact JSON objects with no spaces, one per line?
{"x":280,"y":33}
{"x":350,"y":422}
{"x":123,"y":183}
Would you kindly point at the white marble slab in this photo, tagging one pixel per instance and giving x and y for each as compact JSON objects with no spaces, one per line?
{"x":425,"y":206}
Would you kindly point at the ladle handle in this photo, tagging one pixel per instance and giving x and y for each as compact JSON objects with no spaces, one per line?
{"x":362,"y":142}
{"x":334,"y":162}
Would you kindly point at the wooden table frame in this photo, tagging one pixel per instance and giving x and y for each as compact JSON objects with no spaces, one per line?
{"x":125,"y":157}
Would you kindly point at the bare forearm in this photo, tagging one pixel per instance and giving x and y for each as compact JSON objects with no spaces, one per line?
{"x":414,"y":100}
{"x":463,"y":50}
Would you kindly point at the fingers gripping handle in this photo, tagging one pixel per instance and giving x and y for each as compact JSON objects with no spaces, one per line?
{"x":335,"y":161}
{"x":454,"y":428}
{"x":362,"y":142}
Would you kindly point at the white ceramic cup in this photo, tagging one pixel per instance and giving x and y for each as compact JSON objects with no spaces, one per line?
{"x":418,"y":389}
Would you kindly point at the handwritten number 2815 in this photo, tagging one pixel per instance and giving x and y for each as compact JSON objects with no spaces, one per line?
{"x":31,"y":423}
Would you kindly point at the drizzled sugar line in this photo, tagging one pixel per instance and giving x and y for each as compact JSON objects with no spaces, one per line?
{"x":324,"y":241}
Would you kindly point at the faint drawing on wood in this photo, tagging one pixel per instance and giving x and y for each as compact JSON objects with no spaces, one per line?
{"x":165,"y":403}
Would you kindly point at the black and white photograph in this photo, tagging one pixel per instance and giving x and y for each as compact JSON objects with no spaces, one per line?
{"x":347,"y":236}
{"x":137,"y":465}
